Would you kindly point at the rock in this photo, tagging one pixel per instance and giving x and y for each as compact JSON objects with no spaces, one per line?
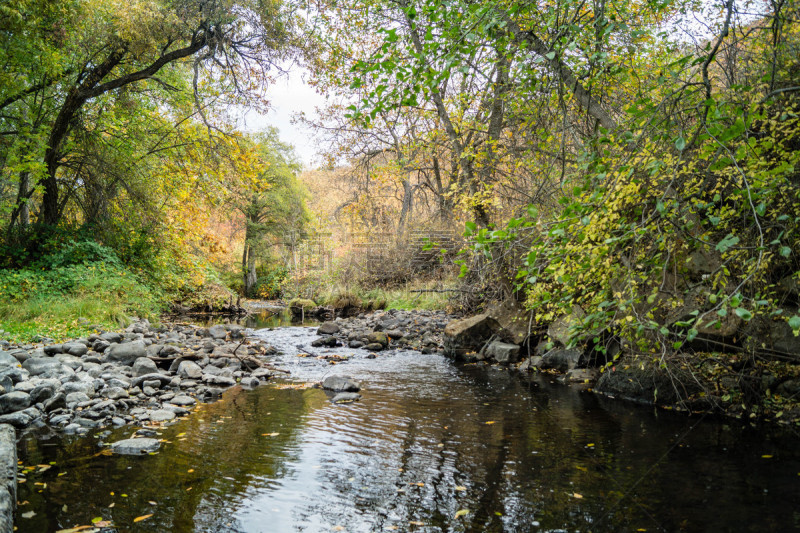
{"x":59,"y":401}
{"x":111,"y":337}
{"x":14,"y":401}
{"x":561,"y":359}
{"x":328,"y":328}
{"x":772,"y":337}
{"x":341,"y":384}
{"x":346,"y":397}
{"x":41,"y":365}
{"x":15,"y":374}
{"x":183,"y":400}
{"x":75,"y":349}
{"x":502,"y":352}
{"x":43,"y":392}
{"x":261,"y":373}
{"x":395,"y":334}
{"x":355,"y":344}
{"x":650,"y":384}
{"x":6,"y":359}
{"x":8,"y":477}
{"x":161,"y":378}
{"x":514,"y":320}
{"x":374,"y":347}
{"x":378,"y":337}
{"x":468,"y":335}
{"x":135,"y":446}
{"x":161,"y":415}
{"x":76,"y":398}
{"x":52,"y":349}
{"x":179,"y":411}
{"x":250,"y":382}
{"x":71,"y":361}
{"x":22,"y":355}
{"x":21,"y":419}
{"x":217,"y":332}
{"x":100,"y":345}
{"x":329,"y":341}
{"x":126,"y":353}
{"x":190,"y":370}
{"x":115,"y":393}
{"x":143,"y":366}
{"x":221,"y":381}
{"x":84,"y":386}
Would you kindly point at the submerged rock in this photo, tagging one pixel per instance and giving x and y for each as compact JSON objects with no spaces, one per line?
{"x":136,"y":446}
{"x":346,"y":397}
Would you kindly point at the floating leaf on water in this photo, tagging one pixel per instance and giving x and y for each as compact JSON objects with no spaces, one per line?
{"x":590,"y":445}
{"x":338,"y":528}
{"x":29,"y":514}
{"x":180,"y":434}
{"x":103,"y":523}
{"x":143,"y":517}
{"x":416,"y":523}
{"x":270,"y":434}
{"x":190,"y":470}
{"x":490,"y":422}
{"x":111,"y":505}
{"x":460,"y":488}
{"x":151,"y":502}
{"x":576,"y":495}
{"x":97,"y":519}
{"x":766,"y":457}
{"x":461,"y":512}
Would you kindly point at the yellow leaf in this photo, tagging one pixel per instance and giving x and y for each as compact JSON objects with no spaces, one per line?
{"x":490,"y":422}
{"x":576,"y":495}
{"x":143,"y":517}
{"x":766,"y":457}
{"x":461,"y":512}
{"x":190,"y":470}
{"x":270,"y":434}
{"x":460,"y":488}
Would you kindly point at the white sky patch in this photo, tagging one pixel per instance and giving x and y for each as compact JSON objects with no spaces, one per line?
{"x":289,"y":95}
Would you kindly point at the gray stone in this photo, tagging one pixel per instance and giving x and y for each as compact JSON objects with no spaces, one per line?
{"x":41,"y":365}
{"x":250,"y":382}
{"x":115,"y":393}
{"x":341,"y":384}
{"x":217,"y":332}
{"x":220,"y":381}
{"x":58,"y":401}
{"x":52,"y":349}
{"x":355,"y":344}
{"x":514,"y":320}
{"x":43,"y":392}
{"x":374,"y":347}
{"x":183,"y":399}
{"x":14,"y":401}
{"x":190,"y":370}
{"x":8,"y":476}
{"x":561,"y":359}
{"x":111,"y":337}
{"x":75,"y":349}
{"x":468,"y":335}
{"x":6,"y":359}
{"x":76,"y":397}
{"x":127,"y":353}
{"x":25,"y":386}
{"x":164,"y":380}
{"x":100,"y":345}
{"x":328,"y":340}
{"x":85,"y":386}
{"x":75,"y":363}
{"x":161,"y":415}
{"x":502,"y":352}
{"x":583,"y":375}
{"x":135,"y":446}
{"x":563,"y":328}
{"x":143,"y":366}
{"x":328,"y":328}
{"x":262,"y":373}
{"x":21,"y":355}
{"x":13,"y":373}
{"x":21,"y":419}
{"x":346,"y":397}
{"x":179,"y":411}
{"x":650,"y":384}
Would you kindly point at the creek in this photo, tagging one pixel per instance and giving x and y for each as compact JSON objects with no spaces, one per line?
{"x":428,"y":440}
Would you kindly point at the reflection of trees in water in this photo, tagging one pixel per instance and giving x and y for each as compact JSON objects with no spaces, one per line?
{"x":223,"y":445}
{"x":528,"y":464}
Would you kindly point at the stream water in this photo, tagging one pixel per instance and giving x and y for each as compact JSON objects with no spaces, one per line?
{"x":431,"y":447}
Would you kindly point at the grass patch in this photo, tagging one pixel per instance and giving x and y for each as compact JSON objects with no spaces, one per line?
{"x":395,"y":298}
{"x":72,"y":301}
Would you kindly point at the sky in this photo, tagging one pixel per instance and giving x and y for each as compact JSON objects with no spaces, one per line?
{"x":289,"y":95}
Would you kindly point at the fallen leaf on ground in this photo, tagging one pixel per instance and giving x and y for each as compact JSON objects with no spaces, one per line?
{"x":143,"y":517}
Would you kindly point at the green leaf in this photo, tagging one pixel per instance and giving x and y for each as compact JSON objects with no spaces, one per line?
{"x":728,"y":242}
{"x":680,"y":143}
{"x":794,"y":323}
{"x":550,"y":55}
{"x":786,"y":251}
{"x":743,"y":313}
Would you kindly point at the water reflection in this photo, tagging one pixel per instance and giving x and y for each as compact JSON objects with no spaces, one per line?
{"x":427,"y":440}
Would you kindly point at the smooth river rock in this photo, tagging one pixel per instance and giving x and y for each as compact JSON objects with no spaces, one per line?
{"x":135,"y":446}
{"x":127,"y":353}
{"x":341,"y":384}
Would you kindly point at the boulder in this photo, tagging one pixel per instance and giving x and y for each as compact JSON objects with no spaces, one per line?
{"x":136,"y":446}
{"x":217,"y":332}
{"x":468,"y":334}
{"x":14,"y":401}
{"x":514,"y":320}
{"x":111,"y":337}
{"x":42,"y":365}
{"x":126,"y":353}
{"x":502,"y":352}
{"x":341,"y":384}
{"x":561,"y":329}
{"x":374,"y":347}
{"x":561,"y":359}
{"x":328,"y":328}
{"x":183,"y":400}
{"x":772,"y":337}
{"x":6,"y":359}
{"x":21,"y":419}
{"x":76,"y":349}
{"x":115,"y":393}
{"x":378,"y":337}
{"x":346,"y":397}
{"x":161,"y":415}
{"x":143,"y":366}
{"x":327,"y":341}
{"x":650,"y":384}
{"x":189,"y":370}
{"x":43,"y":392}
